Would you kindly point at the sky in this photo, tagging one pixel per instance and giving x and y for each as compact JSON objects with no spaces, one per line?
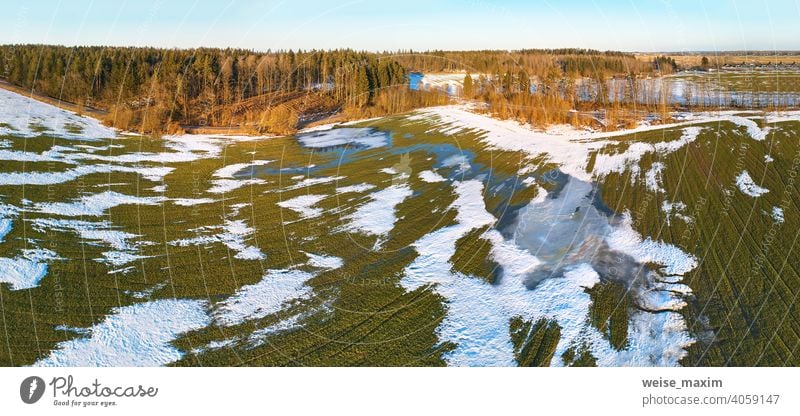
{"x":628,"y":25}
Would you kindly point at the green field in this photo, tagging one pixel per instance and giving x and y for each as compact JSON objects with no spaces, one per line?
{"x":351,"y":307}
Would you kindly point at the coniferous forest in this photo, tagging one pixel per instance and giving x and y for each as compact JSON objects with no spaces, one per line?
{"x":168,"y":90}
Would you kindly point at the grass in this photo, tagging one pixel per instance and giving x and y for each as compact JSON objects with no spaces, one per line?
{"x":743,"y":309}
{"x":609,"y":311}
{"x":473,"y":256}
{"x":534,"y":343}
{"x":751,"y":81}
{"x":578,"y":356}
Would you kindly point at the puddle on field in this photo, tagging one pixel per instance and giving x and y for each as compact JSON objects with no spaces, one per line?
{"x":569,"y":227}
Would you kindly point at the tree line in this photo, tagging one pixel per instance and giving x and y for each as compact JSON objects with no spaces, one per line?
{"x":155,"y":89}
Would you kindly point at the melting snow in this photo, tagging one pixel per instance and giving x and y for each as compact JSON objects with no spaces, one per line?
{"x":430,"y":176}
{"x":777,"y":215}
{"x":103,"y":232}
{"x":653,"y":177}
{"x":346,"y":136}
{"x":748,"y":187}
{"x":478,"y":313}
{"x":358,"y":188}
{"x":222,"y":186}
{"x":264,"y":298}
{"x":25,"y":272}
{"x":19,"y":113}
{"x":95,"y":205}
{"x":230,"y":170}
{"x":155,"y":174}
{"x":313,"y":181}
{"x":6,"y":213}
{"x":675,"y":209}
{"x":757,"y":133}
{"x":132,"y":336}
{"x":377,"y":217}
{"x":304,"y":205}
{"x":629,"y":160}
{"x":188,"y":202}
{"x":232,"y":236}
{"x":324,"y":262}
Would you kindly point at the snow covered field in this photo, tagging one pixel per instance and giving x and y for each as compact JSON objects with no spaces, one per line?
{"x":212,"y":249}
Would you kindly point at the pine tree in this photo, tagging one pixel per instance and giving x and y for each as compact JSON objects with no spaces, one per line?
{"x":469,"y":88}
{"x":362,"y":87}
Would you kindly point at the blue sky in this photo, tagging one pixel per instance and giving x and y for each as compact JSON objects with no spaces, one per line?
{"x":645,"y":25}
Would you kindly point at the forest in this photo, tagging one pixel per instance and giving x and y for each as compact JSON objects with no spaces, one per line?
{"x":169,"y":90}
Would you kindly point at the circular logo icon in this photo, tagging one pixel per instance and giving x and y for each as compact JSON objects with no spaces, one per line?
{"x":31,"y":389}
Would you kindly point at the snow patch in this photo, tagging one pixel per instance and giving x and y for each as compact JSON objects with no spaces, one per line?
{"x":324,"y":262}
{"x":97,"y":232}
{"x":154,"y":174}
{"x":358,"y":188}
{"x":304,"y":205}
{"x":629,"y":159}
{"x":19,"y":113}
{"x":25,"y":271}
{"x":276,"y":289}
{"x":222,"y":186}
{"x":138,"y":335}
{"x":345,"y":136}
{"x":653,"y":177}
{"x":94,"y":205}
{"x":230,"y":170}
{"x":430,"y":176}
{"x":748,"y":187}
{"x":377,"y":217}
{"x":188,"y":202}
{"x":232,"y":236}
{"x":757,"y":133}
{"x":777,"y":215}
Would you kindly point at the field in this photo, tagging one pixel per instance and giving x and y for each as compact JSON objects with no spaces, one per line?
{"x":438,"y":237}
{"x":718,"y":59}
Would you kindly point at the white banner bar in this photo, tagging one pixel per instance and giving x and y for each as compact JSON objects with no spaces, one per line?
{"x":400,"y":391}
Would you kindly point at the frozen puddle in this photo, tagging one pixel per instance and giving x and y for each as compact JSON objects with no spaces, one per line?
{"x":345,"y":136}
{"x":132,"y":336}
{"x":560,"y":246}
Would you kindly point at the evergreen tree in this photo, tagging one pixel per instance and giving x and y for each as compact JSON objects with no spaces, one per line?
{"x":469,"y":89}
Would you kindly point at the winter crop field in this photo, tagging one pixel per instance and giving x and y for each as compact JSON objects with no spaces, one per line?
{"x":436,"y":237}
